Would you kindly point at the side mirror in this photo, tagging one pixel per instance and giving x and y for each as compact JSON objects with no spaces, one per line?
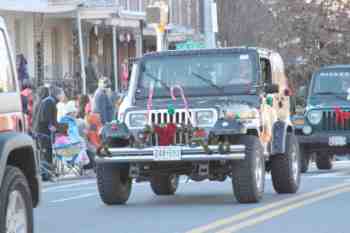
{"x":271,"y":88}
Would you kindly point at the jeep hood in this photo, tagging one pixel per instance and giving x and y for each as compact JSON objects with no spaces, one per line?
{"x":199,"y":102}
{"x":327,"y":102}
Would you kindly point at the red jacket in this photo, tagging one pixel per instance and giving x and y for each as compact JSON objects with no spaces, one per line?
{"x":28,"y":93}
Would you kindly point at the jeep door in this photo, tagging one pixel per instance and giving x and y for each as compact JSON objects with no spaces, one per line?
{"x":281,"y":103}
{"x":11,"y":116}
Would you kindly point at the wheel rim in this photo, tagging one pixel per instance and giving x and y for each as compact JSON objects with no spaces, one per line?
{"x":259,"y":173}
{"x":295,"y":164}
{"x":16,"y":215}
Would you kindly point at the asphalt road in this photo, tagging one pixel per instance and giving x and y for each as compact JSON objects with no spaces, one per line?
{"x":321,"y":206}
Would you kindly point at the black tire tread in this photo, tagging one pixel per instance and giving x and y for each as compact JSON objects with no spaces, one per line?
{"x":281,"y":172}
{"x":161,"y":185}
{"x":324,"y":161}
{"x":304,"y":160}
{"x":243,"y":186}
{"x":112,"y":191}
{"x":13,"y":176}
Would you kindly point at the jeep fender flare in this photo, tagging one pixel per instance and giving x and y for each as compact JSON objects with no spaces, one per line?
{"x":279,"y":135}
{"x":12,"y":142}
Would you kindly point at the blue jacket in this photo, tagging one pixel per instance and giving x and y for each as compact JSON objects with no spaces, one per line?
{"x":73,"y":130}
{"x":102,"y":104}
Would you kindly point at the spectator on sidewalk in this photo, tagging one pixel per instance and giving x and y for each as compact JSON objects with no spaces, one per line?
{"x":83,"y":101}
{"x":102,"y":103}
{"x":42,"y":93}
{"x":61,"y":107}
{"x":22,"y":69}
{"x":92,"y":74}
{"x":27,"y":101}
{"x":47,"y":119}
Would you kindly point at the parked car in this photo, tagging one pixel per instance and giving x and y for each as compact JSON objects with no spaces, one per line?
{"x":324,"y":128}
{"x":207,"y":114}
{"x":19,"y":166}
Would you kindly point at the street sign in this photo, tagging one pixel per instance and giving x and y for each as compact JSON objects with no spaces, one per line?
{"x":158,"y":13}
{"x":153,"y":15}
{"x":190,"y":45}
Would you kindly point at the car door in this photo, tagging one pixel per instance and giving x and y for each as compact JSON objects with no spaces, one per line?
{"x":11,"y":116}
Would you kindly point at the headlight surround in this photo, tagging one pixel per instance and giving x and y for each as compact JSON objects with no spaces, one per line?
{"x":137,"y":120}
{"x":314,"y":117}
{"x":205,"y":118}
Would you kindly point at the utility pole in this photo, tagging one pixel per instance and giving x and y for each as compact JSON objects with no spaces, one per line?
{"x":210,"y":23}
{"x":81,"y":49}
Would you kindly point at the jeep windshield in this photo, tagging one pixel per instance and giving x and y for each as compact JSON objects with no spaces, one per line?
{"x":331,"y":82}
{"x":209,"y":74}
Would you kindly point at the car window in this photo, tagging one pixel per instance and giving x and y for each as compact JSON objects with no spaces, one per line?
{"x":7,"y":80}
{"x":332,"y":81}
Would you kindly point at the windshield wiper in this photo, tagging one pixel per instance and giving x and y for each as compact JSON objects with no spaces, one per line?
{"x":208,"y":81}
{"x":157,"y":80}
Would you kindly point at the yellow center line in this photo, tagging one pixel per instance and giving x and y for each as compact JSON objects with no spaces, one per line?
{"x":283,"y":210}
{"x":258,"y":210}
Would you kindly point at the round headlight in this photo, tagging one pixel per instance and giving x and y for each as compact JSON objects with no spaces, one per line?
{"x":307,"y":130}
{"x":205,"y":118}
{"x":314,"y":117}
{"x":137,"y":120}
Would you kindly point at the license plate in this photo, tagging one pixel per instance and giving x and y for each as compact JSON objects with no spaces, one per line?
{"x":167,"y":153}
{"x":337,"y":141}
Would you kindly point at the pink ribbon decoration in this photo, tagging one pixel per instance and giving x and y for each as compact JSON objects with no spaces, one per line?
{"x":149,"y":101}
{"x":182,"y":93}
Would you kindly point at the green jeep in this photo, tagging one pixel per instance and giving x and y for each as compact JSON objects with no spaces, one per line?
{"x":324,"y":128}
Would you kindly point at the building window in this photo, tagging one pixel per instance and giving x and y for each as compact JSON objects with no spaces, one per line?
{"x":123,"y":4}
{"x":7,"y":80}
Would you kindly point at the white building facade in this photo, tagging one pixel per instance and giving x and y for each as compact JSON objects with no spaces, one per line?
{"x":45,"y":32}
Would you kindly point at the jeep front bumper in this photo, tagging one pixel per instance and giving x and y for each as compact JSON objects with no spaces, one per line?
{"x":319,"y":142}
{"x":188,"y":154}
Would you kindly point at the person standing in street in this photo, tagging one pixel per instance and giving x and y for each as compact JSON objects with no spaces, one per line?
{"x":92,"y":74}
{"x":102,"y":103}
{"x":47,"y":119}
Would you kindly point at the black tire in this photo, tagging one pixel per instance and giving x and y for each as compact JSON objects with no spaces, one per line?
{"x":304,"y":160}
{"x":15,"y":181}
{"x":324,"y":161}
{"x":285,"y":168}
{"x":114,"y":183}
{"x":248,"y":185}
{"x":164,"y":185}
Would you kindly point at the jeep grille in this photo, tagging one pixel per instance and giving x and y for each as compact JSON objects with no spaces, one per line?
{"x":180,"y":117}
{"x":329,"y":122}
{"x":162,"y":117}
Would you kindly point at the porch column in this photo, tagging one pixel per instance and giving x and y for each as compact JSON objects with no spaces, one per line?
{"x":81,"y":50}
{"x":115,"y":59}
{"x":139,"y":43}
